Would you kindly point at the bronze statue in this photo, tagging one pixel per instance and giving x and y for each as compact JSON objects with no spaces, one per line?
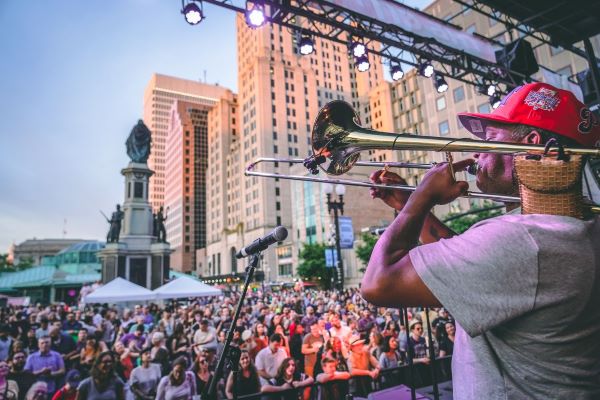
{"x":159,"y":226}
{"x":115,"y":225}
{"x":139,"y":142}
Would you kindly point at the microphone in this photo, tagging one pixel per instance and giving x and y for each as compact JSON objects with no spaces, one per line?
{"x":260,"y":244}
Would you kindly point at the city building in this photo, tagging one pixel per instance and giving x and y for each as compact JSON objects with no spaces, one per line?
{"x":34,"y":250}
{"x":159,"y":96}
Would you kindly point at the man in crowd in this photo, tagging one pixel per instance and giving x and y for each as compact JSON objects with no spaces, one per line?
{"x":205,"y":337}
{"x":270,"y":358}
{"x":18,"y":374}
{"x":311,"y":344}
{"x":47,"y":365}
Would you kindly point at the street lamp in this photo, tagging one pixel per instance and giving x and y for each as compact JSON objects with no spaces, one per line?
{"x":335,"y":206}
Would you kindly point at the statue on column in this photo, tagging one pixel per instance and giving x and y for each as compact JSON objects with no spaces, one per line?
{"x":115,"y":225}
{"x":139,"y":143}
{"x":159,"y":226}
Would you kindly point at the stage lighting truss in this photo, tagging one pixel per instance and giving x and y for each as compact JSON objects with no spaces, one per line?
{"x":397,"y":72}
{"x":362,"y":63}
{"x":306,"y":45}
{"x":440,"y":83}
{"x":255,"y":15}
{"x":192,"y":12}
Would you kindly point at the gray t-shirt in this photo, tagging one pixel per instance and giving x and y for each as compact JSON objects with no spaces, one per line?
{"x":146,"y":379}
{"x":525,"y":292}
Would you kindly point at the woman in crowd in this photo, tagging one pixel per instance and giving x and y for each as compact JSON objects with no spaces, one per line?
{"x":144,"y":379}
{"x":375,"y":343}
{"x":180,"y":343}
{"x":69,"y":390}
{"x":288,"y":378}
{"x":8,"y":389}
{"x":179,"y":384}
{"x":88,"y":354}
{"x":103,"y":383}
{"x":286,"y":343}
{"x":260,"y":339}
{"x":447,"y":343}
{"x":390,"y":358}
{"x":158,"y":353}
{"x":335,"y":350}
{"x":246,"y":381}
{"x":202,"y":374}
{"x":124,"y":361}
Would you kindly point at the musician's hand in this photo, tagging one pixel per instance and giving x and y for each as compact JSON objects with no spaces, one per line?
{"x":439,"y":187}
{"x":393,"y":198}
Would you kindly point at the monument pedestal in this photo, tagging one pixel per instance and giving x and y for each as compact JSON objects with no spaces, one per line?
{"x":137,"y":257}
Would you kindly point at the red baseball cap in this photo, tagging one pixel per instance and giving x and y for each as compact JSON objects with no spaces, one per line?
{"x":542,"y":106}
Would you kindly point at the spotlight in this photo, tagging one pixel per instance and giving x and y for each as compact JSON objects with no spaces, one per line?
{"x":491,"y":90}
{"x":440,"y":83}
{"x":362,"y":63}
{"x":358,"y":49}
{"x":255,"y":16}
{"x":495,"y":101}
{"x":193,"y":14}
{"x":306,"y":46}
{"x":426,"y":69}
{"x":397,"y":72}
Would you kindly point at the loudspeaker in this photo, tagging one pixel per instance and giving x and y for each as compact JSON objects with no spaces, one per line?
{"x":401,"y":392}
{"x":518,"y":56}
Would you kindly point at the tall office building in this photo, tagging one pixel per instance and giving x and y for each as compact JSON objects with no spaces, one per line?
{"x":280,"y":94}
{"x":159,"y":96}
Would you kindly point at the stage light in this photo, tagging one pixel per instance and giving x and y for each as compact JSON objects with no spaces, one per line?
{"x":358,"y":49}
{"x":440,"y":83}
{"x":397,"y":72}
{"x":307,"y":46}
{"x":193,"y":13}
{"x":491,"y":90}
{"x":255,"y":16}
{"x":362,"y":63}
{"x":495,"y":101}
{"x":426,"y":69}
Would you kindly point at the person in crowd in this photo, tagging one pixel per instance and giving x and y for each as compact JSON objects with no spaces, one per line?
{"x":375,"y":343}
{"x":5,"y":342}
{"x":124,"y":361}
{"x":311,"y":344}
{"x":334,"y":384}
{"x":260,"y":339}
{"x":244,"y":382}
{"x":137,"y":337}
{"x":88,"y":354}
{"x":62,"y":343}
{"x":47,"y":365}
{"x":296,"y":346}
{"x":179,"y":384}
{"x":103,"y":382}
{"x":363,"y":366}
{"x":159,"y":353}
{"x":206,"y":337}
{"x":288,"y":379}
{"x":417,"y":346}
{"x":270,"y":358}
{"x":202,"y":374}
{"x":9,"y":389}
{"x":390,"y":358}
{"x":447,"y":342}
{"x":144,"y":379}
{"x":69,"y":390}
{"x":43,"y":329}
{"x":179,"y":342}
{"x":285,"y":344}
{"x":17,"y":373}
{"x":71,"y":325}
{"x":38,"y":391}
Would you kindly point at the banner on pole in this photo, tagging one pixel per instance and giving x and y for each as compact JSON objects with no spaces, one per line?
{"x":346,"y":233}
{"x":330,"y":258}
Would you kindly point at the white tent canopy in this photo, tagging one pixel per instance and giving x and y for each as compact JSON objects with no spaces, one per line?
{"x":185,"y":287}
{"x":119,"y":290}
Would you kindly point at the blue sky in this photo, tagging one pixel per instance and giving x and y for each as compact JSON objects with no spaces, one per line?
{"x":72,"y":78}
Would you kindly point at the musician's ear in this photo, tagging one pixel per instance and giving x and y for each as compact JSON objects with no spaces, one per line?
{"x":533,"y":137}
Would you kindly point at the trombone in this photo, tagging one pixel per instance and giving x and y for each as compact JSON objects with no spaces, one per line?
{"x":338,"y":139}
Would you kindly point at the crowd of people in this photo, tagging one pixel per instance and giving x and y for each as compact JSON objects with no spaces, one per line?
{"x":305,"y":344}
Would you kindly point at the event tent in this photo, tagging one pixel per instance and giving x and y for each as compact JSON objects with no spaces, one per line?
{"x":185,"y":287}
{"x":119,"y":290}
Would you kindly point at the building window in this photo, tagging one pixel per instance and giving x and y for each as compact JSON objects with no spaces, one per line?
{"x":285,"y":270}
{"x":440,"y":103}
{"x":444,"y":128}
{"x":459,"y":94}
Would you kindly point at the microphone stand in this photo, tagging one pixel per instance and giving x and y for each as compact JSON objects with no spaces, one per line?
{"x":229,"y":352}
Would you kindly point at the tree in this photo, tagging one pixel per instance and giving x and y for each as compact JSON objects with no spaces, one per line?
{"x":460,"y":222}
{"x":364,"y":250}
{"x":312,"y":264}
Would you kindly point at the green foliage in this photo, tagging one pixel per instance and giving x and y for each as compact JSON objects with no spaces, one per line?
{"x":4,"y":264}
{"x":364,"y":250}
{"x":312,"y":264}
{"x":461,"y":224}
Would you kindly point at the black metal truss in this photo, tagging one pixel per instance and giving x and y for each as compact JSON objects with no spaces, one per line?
{"x":513,"y":24}
{"x":332,"y":22}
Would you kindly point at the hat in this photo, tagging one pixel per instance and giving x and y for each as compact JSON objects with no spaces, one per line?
{"x":542,"y":106}
{"x":413,"y":323}
{"x":73,"y":377}
{"x":247,"y":334}
{"x":355,"y":340}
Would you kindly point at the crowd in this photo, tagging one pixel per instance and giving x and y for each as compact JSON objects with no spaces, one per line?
{"x":289,"y":341}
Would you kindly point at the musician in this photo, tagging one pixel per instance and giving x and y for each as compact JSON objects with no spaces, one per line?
{"x":523,"y":289}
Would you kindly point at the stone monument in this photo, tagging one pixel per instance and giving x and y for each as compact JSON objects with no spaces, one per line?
{"x":133,"y":251}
